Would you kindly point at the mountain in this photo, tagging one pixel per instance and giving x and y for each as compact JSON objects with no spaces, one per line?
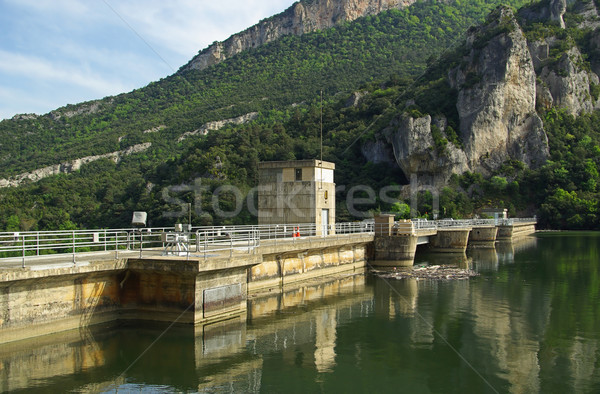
{"x":503,"y":113}
{"x":508,"y":96}
{"x":302,"y":17}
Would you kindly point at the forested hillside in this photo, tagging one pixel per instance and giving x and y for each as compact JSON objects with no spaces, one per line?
{"x":380,"y":57}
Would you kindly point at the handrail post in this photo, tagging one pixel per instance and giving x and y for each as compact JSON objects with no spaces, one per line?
{"x":23,"y":264}
{"x":73,"y":233}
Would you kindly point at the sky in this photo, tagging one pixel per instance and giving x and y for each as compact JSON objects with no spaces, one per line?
{"x":59,"y":52}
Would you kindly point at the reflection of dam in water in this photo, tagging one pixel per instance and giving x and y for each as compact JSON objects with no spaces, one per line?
{"x":503,"y":327}
{"x":225,"y":355}
{"x":507,"y":250}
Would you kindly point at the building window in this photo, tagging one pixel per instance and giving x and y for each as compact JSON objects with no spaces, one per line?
{"x":298,"y":174}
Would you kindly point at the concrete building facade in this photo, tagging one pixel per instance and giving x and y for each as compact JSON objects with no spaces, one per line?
{"x":297,"y":192}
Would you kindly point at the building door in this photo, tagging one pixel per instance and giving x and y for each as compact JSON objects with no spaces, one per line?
{"x":324,"y":222}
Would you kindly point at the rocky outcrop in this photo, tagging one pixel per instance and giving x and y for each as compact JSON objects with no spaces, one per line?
{"x":496,"y":97}
{"x":567,"y":84}
{"x":88,"y":108}
{"x":552,"y":10}
{"x":24,"y":117}
{"x":70,"y":166}
{"x":589,"y":17}
{"x":413,"y":146}
{"x":377,"y":152}
{"x":219,"y":124}
{"x":154,"y":129}
{"x":302,"y":17}
{"x":496,"y":104}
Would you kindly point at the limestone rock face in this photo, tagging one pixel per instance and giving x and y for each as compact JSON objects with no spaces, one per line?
{"x":70,"y":166}
{"x":496,"y":104}
{"x":568,"y":84}
{"x":496,"y":86}
{"x":302,"y":17}
{"x":547,"y":11}
{"x":588,"y":11}
{"x":413,"y":146}
{"x":378,"y":152}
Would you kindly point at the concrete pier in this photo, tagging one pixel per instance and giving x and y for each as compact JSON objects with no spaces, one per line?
{"x":395,"y":251}
{"x":453,"y":240}
{"x":483,"y":237}
{"x":514,"y":231}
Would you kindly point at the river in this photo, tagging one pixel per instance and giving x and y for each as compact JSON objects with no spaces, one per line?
{"x":529,"y":323}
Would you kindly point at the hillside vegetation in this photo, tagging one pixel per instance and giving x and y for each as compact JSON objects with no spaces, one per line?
{"x":379,"y":56}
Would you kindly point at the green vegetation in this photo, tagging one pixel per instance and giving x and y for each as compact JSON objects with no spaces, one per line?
{"x":382,"y":56}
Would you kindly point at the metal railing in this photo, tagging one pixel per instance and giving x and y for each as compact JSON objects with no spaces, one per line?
{"x":414,"y":226}
{"x":198,"y":241}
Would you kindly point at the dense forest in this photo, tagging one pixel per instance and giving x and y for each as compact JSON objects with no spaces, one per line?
{"x":384,"y":58}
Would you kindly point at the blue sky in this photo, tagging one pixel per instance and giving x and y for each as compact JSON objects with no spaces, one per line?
{"x":59,"y":52}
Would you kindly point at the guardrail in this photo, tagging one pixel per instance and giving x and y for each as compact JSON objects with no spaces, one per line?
{"x":412,"y":227}
{"x":201,"y":241}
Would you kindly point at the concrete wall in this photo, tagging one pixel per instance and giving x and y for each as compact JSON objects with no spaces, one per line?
{"x":34,"y":303}
{"x":517,"y":230}
{"x":279,"y":269}
{"x":483,"y":237}
{"x":49,"y":300}
{"x":450,"y":240}
{"x":395,"y":250}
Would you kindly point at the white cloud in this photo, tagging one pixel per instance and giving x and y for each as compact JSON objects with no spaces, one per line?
{"x":188,"y":26}
{"x":59,"y":51}
{"x":35,"y":68}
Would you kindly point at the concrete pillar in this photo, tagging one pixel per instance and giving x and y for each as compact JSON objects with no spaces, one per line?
{"x":395,"y":251}
{"x":450,"y":240}
{"x":384,"y":224}
{"x":483,"y":237}
{"x":504,"y":233}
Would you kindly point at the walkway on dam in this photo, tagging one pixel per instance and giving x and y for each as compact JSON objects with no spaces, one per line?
{"x":54,"y":249}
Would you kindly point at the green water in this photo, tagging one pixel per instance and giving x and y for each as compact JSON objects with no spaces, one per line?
{"x":529,"y":323}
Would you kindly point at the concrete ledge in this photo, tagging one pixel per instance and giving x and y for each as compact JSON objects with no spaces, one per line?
{"x":291,"y":245}
{"x":47,"y":271}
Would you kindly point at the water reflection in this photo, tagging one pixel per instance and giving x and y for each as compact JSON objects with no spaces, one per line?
{"x":507,"y":249}
{"x":528,"y":326}
{"x":484,"y":259}
{"x":460,"y":260}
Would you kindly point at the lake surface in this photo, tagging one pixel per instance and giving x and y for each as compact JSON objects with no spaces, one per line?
{"x":529,"y":323}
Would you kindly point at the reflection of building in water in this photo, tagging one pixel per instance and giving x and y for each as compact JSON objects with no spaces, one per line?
{"x":507,"y":249}
{"x":238,"y":377}
{"x":583,"y":357}
{"x":325,"y":327}
{"x":484,"y":259}
{"x":506,"y":334}
{"x":24,"y":363}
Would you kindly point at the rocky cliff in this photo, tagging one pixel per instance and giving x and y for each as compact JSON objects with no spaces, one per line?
{"x":501,"y":81}
{"x":69,"y":167}
{"x":302,"y":17}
